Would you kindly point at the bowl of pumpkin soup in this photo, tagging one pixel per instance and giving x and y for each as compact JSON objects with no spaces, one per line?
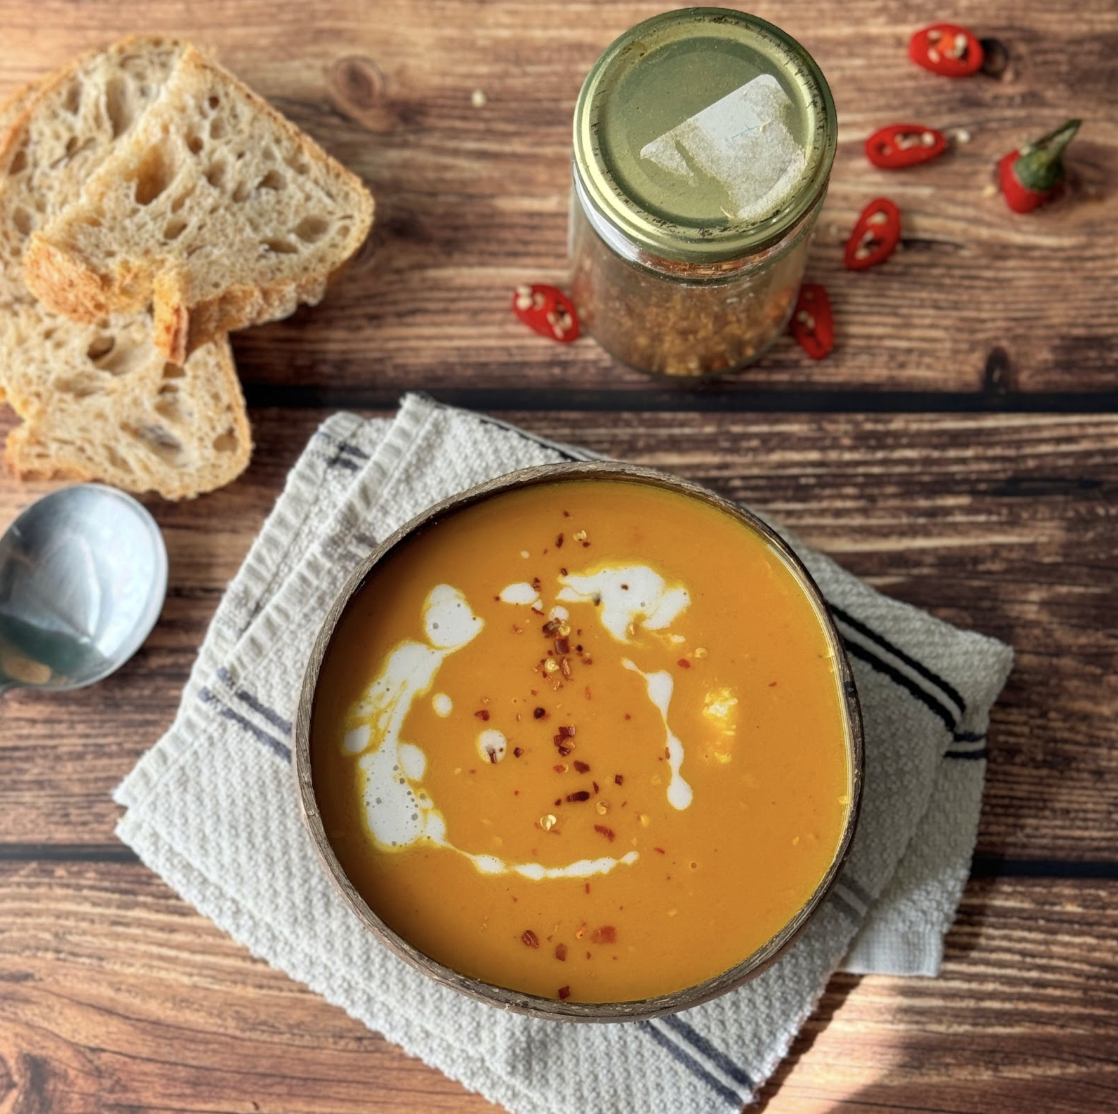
{"x":582,"y":743}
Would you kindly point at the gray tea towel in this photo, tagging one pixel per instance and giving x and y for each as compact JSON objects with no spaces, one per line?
{"x":212,"y":807}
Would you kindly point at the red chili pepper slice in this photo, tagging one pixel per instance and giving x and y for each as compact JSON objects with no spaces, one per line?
{"x":900,"y":145}
{"x":546,"y":311}
{"x":876,"y":235}
{"x":1029,"y":177}
{"x":946,"y":49}
{"x":813,"y":324}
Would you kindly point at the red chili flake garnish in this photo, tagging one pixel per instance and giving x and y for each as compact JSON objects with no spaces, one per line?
{"x":813,"y":324}
{"x":558,"y":802}
{"x":564,"y":993}
{"x":607,"y":934}
{"x":492,"y":752}
{"x":551,"y":627}
{"x":562,"y":571}
{"x":587,"y":887}
{"x":546,"y":311}
{"x":1030,"y":176}
{"x":559,"y":542}
{"x":683,"y":663}
{"x":482,"y":715}
{"x":601,"y":829}
{"x":877,"y":232}
{"x":595,"y":784}
{"x":946,"y":49}
{"x":566,"y":514}
{"x":529,"y":939}
{"x":618,"y":779}
{"x":899,"y":145}
{"x":561,"y":952}
{"x":565,"y":667}
{"x":659,"y":850}
{"x":538,"y":713}
{"x":568,"y":731}
{"x":581,"y":795}
{"x":560,"y":768}
{"x":582,"y":767}
{"x":517,"y":752}
{"x":564,"y":749}
{"x":772,"y":684}
{"x":562,"y":645}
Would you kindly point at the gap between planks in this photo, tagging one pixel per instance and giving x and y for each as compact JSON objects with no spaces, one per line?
{"x":982,"y":866}
{"x":698,"y":398}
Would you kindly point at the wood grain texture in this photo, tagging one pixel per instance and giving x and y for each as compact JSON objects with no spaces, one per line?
{"x":118,"y":997}
{"x":1006,"y":524}
{"x":115,"y":996}
{"x":471,"y":201}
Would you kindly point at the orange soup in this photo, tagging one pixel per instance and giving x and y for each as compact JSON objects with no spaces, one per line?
{"x":585,"y":740}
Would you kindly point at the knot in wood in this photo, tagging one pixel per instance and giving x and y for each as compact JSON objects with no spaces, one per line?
{"x":357,"y":82}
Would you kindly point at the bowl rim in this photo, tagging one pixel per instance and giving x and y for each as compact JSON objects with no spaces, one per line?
{"x":519,"y":1001}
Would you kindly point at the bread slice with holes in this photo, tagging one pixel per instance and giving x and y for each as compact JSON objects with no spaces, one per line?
{"x":99,"y":402}
{"x":215,"y":210}
{"x":61,"y":130}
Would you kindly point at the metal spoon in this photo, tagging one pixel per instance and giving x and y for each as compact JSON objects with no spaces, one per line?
{"x":83,"y":574}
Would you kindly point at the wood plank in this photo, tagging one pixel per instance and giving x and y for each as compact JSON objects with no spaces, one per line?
{"x":119,"y":997}
{"x":473,"y":200}
{"x":1006,"y":524}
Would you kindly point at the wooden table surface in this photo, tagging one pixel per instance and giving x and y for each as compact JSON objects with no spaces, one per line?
{"x":958,"y":450}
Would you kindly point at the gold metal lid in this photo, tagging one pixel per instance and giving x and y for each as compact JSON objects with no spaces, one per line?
{"x":703,"y":135}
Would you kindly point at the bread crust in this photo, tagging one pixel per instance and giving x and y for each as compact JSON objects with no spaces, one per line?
{"x":63,"y":284}
{"x":97,"y":401}
{"x":30,"y":455}
{"x":61,"y":273}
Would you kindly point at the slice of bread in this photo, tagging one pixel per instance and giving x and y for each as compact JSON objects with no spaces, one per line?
{"x":10,"y":112}
{"x":100,"y":403}
{"x":62,"y":129}
{"x":12,"y":109}
{"x":215,"y":210}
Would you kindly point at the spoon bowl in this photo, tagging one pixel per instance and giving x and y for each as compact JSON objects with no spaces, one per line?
{"x":83,"y":575}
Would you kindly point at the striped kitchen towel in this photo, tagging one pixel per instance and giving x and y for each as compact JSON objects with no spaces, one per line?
{"x":212,"y":807}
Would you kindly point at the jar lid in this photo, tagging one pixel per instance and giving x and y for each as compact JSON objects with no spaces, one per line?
{"x":703,"y":135}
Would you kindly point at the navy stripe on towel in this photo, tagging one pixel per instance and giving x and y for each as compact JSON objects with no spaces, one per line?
{"x":270,"y":741}
{"x":945,"y":687}
{"x":686,"y":1060}
{"x":845,"y":906}
{"x":855,"y":887}
{"x":274,"y":718}
{"x":921,"y":694}
{"x":695,"y":1038}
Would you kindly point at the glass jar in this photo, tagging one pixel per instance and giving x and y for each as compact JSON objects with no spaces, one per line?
{"x":703,"y":141}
